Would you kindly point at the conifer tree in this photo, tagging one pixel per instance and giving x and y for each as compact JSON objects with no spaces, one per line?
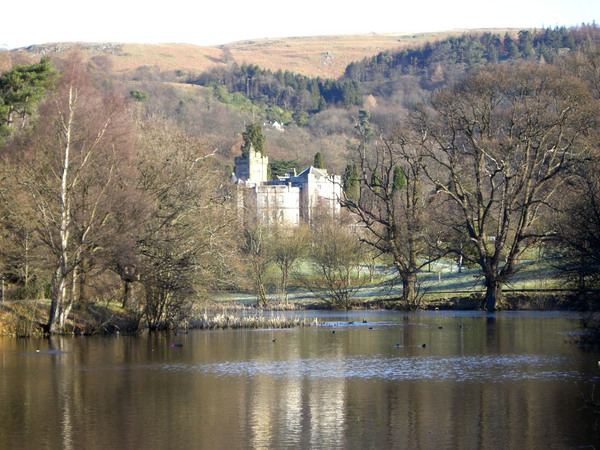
{"x":253,"y":137}
{"x":351,"y":183}
{"x":20,"y":90}
{"x":399,"y":179}
{"x":318,"y":161}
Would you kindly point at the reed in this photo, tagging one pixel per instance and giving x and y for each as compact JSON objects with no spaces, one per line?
{"x":233,"y":321}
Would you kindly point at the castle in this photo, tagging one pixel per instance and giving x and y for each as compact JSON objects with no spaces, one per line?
{"x":290,"y":199}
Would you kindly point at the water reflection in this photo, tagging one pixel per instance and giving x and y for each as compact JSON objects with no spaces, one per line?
{"x":514,"y":381}
{"x":416,"y":368}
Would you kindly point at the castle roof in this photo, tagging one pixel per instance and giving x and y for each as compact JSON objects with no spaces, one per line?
{"x":312,"y":171}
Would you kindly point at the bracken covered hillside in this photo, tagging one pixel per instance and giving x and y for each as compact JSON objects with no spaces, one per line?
{"x":324,"y":56}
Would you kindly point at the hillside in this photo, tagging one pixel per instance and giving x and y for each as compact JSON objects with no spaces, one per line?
{"x":324,"y":56}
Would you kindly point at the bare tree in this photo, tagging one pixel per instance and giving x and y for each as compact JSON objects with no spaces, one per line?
{"x":394,"y":201}
{"x":500,"y":144}
{"x":288,"y":245}
{"x":256,"y":256}
{"x":183,"y":243}
{"x":336,"y":256}
{"x":577,"y":243}
{"x":21,"y":252}
{"x":118,"y":251}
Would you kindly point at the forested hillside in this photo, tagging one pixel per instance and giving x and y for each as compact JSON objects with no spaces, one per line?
{"x":316,"y":109}
{"x":323,"y":109}
{"x":471,"y":50}
{"x":383,"y":75}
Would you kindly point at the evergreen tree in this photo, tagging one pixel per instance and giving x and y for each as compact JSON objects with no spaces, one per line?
{"x":526,"y":43}
{"x":279,"y":166}
{"x":351,"y":183}
{"x":253,"y":137}
{"x":492,"y":54}
{"x":318,"y":161}
{"x":20,"y":90}
{"x":399,"y":179}
{"x":364,"y":124}
{"x":350,"y":94}
{"x":315,"y":93}
{"x":510,"y":48}
{"x":322,"y":104}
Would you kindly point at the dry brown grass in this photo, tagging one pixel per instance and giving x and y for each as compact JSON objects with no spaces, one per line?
{"x":324,"y":56}
{"x":22,"y":319}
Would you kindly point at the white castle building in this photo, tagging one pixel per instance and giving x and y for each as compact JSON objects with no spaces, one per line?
{"x":292,"y":198}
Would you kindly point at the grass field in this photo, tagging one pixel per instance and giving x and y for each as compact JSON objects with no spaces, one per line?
{"x":442,"y":281}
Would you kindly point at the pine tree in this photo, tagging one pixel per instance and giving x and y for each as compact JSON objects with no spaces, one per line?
{"x":351,"y":184}
{"x":363,"y":126}
{"x":20,"y":90}
{"x":253,"y":137}
{"x":399,"y":179}
{"x":315,"y":93}
{"x":318,"y":161}
{"x":526,"y":43}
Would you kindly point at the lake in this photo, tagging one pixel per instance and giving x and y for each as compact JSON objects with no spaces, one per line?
{"x":362,"y":379}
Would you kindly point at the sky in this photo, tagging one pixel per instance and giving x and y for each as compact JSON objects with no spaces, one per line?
{"x":214,"y":22}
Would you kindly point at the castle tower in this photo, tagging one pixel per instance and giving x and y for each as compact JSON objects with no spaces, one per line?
{"x":252,"y":168}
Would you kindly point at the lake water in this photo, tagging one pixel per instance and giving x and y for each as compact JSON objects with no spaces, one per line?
{"x":418,"y":380}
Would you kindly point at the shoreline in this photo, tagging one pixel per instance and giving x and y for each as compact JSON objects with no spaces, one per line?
{"x":27,"y":319}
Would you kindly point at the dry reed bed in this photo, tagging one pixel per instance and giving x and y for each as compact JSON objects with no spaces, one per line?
{"x":233,"y":321}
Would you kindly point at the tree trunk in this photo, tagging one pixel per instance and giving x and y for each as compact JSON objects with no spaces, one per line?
{"x":128,"y":276}
{"x":53,"y":313}
{"x":409,"y":289}
{"x":284,"y":285}
{"x":82,"y":280}
{"x":493,"y":294}
{"x":126,"y":291}
{"x":372,"y":266}
{"x":68,"y":305}
{"x":59,"y":287}
{"x":59,"y":281}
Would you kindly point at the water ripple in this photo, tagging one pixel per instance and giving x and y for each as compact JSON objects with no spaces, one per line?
{"x":463,"y":368}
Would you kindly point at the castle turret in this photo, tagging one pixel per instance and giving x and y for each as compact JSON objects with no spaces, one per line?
{"x":252,"y":168}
